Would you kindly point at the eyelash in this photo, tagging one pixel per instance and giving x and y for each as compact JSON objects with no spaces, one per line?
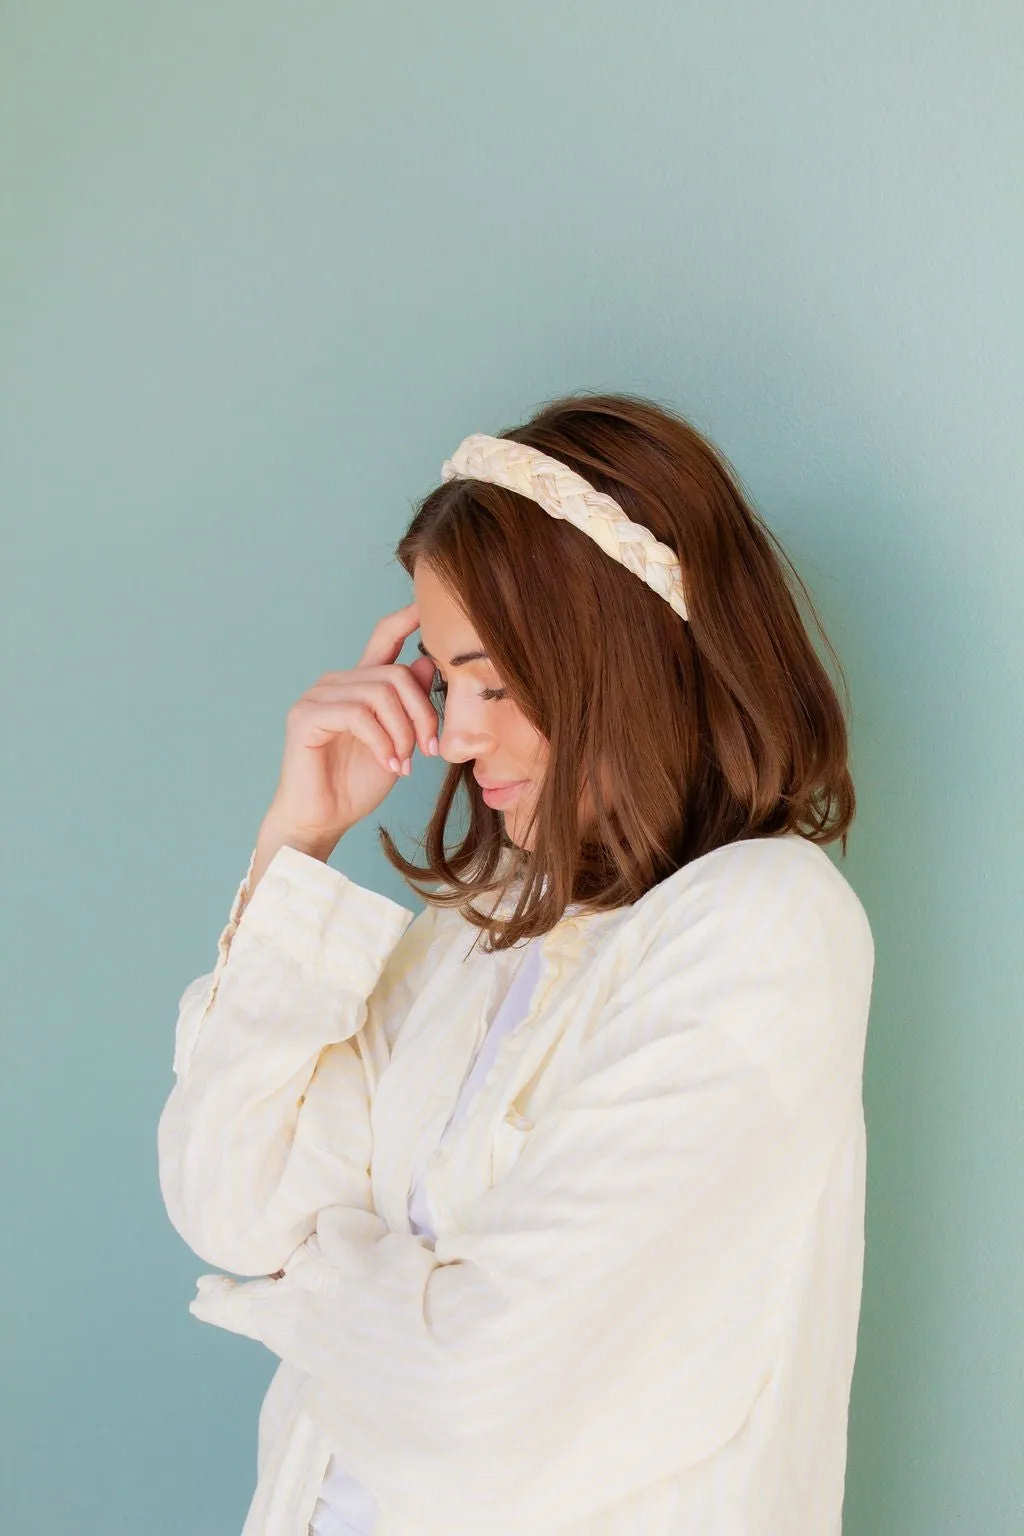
{"x":441,"y":687}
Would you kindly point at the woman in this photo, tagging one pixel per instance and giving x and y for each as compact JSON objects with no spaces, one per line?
{"x":556,"y":1190}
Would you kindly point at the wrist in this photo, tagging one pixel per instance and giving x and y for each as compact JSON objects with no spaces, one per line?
{"x":274,"y":835}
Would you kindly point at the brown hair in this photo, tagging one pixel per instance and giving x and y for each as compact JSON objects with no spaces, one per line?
{"x":690,"y":734}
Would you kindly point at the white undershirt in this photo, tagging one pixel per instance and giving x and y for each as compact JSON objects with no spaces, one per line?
{"x":345,"y":1507}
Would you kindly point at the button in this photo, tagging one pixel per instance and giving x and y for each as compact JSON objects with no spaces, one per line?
{"x":277,"y":885}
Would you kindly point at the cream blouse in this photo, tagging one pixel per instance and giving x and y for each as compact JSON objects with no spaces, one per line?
{"x":345,"y":1507}
{"x":640,"y":1310}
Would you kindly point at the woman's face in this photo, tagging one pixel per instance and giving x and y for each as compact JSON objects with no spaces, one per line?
{"x":508,"y":754}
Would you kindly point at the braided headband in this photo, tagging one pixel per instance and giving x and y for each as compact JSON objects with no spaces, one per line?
{"x":566,"y":495}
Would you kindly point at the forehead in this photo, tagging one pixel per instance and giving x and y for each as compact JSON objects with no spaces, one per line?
{"x":444,"y":627}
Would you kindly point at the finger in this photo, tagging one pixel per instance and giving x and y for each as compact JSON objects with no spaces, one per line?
{"x":417,"y":716}
{"x":389,"y":635}
{"x":412,"y":684}
{"x":387,"y":703}
{"x":423,"y":671}
{"x":326,"y":721}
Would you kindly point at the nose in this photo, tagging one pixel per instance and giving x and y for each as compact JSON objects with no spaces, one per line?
{"x":461,"y":746}
{"x":462,"y":738}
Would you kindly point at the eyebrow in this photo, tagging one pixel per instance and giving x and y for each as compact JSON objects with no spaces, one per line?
{"x":456,"y":661}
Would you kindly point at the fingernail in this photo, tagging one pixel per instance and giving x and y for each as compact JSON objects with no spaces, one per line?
{"x":394,"y":765}
{"x":433,"y":746}
{"x":407,"y":765}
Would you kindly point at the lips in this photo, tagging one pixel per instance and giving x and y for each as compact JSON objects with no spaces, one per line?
{"x":500,"y":795}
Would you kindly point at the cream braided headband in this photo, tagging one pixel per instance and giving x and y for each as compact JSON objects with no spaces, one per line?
{"x":565,"y":494}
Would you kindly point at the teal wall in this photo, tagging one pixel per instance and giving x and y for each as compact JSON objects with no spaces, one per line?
{"x":261,"y":267}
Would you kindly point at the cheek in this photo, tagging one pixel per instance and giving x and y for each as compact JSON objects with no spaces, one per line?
{"x":527,"y":745}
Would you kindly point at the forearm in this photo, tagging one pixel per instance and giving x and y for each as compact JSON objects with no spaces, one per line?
{"x":269,"y":1116}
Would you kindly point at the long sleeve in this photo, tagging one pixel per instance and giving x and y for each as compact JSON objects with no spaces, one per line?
{"x":268,"y":1118}
{"x":616,"y":1301}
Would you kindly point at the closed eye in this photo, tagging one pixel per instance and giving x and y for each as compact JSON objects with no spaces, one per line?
{"x":439,"y":686}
